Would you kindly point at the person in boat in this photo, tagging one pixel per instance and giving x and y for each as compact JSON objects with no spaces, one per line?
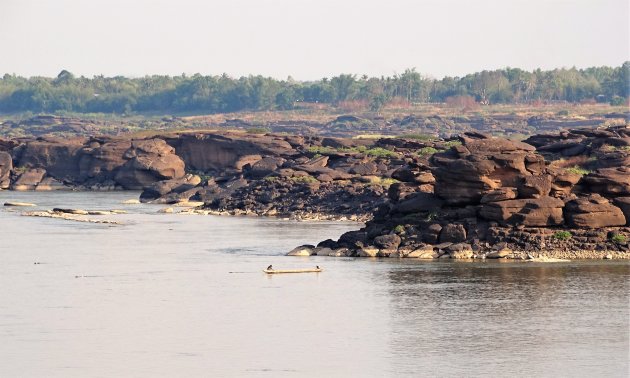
{"x":270,"y":267}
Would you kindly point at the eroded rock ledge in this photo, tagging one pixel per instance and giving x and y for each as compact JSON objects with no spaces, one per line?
{"x":474,"y":195}
{"x":495,"y":198}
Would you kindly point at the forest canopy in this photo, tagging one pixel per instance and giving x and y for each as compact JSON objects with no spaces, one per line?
{"x":217,"y":94}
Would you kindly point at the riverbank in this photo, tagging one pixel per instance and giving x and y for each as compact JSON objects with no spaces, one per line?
{"x":564,"y":191}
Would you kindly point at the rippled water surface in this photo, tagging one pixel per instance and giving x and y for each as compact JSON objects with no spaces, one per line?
{"x":174,"y":295}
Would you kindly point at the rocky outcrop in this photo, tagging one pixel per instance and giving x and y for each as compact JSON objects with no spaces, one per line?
{"x":59,"y":157}
{"x":6,"y":166}
{"x":29,"y":179}
{"x":497,"y":198}
{"x":101,"y":159}
{"x":465,"y":173}
{"x":593,"y":211}
{"x":539,"y":212}
{"x":149,"y":161}
{"x":624,"y":204}
{"x":609,"y":181}
{"x":173,"y":188}
{"x":218,"y":152}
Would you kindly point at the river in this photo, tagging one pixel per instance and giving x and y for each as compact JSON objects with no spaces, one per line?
{"x":176,"y":295}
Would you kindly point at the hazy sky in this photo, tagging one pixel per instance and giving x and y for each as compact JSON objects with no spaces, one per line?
{"x":308,"y":39}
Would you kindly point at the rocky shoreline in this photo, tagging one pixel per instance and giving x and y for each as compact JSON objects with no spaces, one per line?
{"x":470,"y":196}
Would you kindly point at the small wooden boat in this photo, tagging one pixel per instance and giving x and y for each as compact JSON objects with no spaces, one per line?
{"x":278,"y":271}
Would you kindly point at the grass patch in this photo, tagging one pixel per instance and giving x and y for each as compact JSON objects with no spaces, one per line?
{"x":427,"y":151}
{"x":562,"y":235}
{"x":452,"y":143}
{"x":381,"y":152}
{"x":578,"y":170}
{"x":618,"y":239}
{"x":321,"y":150}
{"x":617,"y":148}
{"x":385,"y":182}
{"x":304,"y":179}
{"x":399,"y":229}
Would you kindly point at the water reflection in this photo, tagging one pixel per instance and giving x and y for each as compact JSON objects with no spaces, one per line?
{"x":510,"y":319}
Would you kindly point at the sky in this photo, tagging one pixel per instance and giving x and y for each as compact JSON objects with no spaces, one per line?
{"x":308,"y":39}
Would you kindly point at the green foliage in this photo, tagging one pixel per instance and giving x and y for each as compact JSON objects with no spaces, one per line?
{"x":321,"y":150}
{"x":222,"y":93}
{"x":578,"y":170}
{"x":378,"y":102}
{"x":562,"y":235}
{"x":399,"y":229}
{"x":381,"y":152}
{"x":271,"y":178}
{"x":618,"y":238}
{"x":618,"y":101}
{"x":19,"y":170}
{"x":426,"y":151}
{"x":431,"y":215}
{"x":257,"y":130}
{"x":304,"y":179}
{"x":452,"y":143}
{"x":385,"y":182}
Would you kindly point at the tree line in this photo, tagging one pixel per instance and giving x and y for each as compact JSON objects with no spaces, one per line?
{"x":216,"y":94}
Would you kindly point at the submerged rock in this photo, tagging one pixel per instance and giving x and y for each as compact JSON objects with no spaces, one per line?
{"x":303,"y":250}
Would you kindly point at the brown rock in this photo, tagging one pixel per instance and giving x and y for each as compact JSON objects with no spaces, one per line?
{"x":535,"y":186}
{"x":454,"y":233}
{"x":364,"y":169}
{"x":387,"y":242}
{"x":162,"y":188}
{"x":214,"y":152}
{"x":538,"y":212}
{"x":103,"y":160}
{"x":500,"y":194}
{"x":419,"y":202}
{"x":149,"y":161}
{"x":58,"y":156}
{"x":609,"y":181}
{"x":6,"y":165}
{"x":29,"y":179}
{"x":624,"y":204}
{"x":466,"y":173}
{"x":593,"y":211}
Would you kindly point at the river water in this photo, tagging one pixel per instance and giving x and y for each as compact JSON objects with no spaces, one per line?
{"x":184,"y":296}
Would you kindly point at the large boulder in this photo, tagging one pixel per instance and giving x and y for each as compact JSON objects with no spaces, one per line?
{"x":6,"y":165}
{"x":149,"y":161}
{"x":419,"y":202}
{"x":593,"y":211}
{"x":501,"y":194}
{"x":214,"y":152}
{"x":533,"y":212}
{"x":464,"y":174}
{"x":609,"y":181}
{"x":453,"y":233}
{"x":102,"y":158}
{"x":624,"y":204}
{"x":535,"y":186}
{"x":265,"y":166}
{"x":162,"y":188}
{"x":563,"y":182}
{"x":58,"y":156}
{"x":387,"y":242}
{"x":29,"y":179}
